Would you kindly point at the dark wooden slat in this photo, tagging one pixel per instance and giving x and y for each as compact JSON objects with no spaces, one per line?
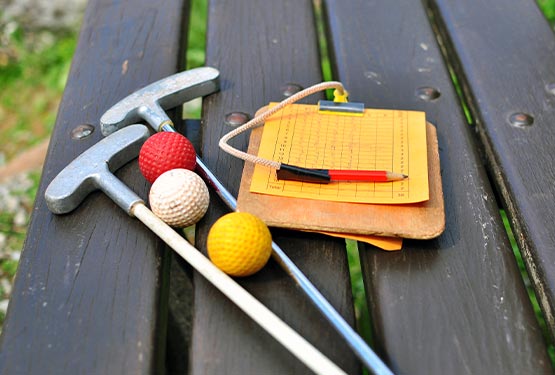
{"x":89,"y":292}
{"x":456,"y":304}
{"x":512,"y":75}
{"x":259,"y":47}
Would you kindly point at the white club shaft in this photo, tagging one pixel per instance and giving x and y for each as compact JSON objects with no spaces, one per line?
{"x":272,"y":324}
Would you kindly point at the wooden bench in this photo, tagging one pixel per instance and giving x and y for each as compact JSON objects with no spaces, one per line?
{"x":93,"y":288}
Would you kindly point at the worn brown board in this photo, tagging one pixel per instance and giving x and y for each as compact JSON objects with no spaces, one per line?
{"x":422,"y":220}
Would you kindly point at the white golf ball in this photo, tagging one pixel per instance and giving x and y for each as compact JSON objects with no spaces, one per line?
{"x":179,"y":197}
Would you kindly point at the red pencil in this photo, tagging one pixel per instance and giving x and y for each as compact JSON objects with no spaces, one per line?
{"x":372,"y":176}
{"x":291,"y":172}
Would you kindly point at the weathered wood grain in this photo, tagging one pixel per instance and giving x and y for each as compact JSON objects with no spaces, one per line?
{"x":456,"y":304}
{"x":259,"y":47}
{"x":505,"y":57}
{"x":89,"y":293}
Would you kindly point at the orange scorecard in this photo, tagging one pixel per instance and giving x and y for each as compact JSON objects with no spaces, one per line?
{"x":380,"y":140}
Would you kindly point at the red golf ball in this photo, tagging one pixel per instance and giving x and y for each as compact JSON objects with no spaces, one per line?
{"x":165,"y":151}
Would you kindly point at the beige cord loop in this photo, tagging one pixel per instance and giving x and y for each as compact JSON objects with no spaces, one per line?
{"x":257,"y":120}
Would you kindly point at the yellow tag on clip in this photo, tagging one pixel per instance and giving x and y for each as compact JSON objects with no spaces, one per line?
{"x":338,"y":98}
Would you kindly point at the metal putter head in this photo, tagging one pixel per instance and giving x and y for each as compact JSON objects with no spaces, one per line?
{"x":150,"y":102}
{"x":92,"y":170}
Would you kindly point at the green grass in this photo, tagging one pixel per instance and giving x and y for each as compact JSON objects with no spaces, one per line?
{"x":531,"y":293}
{"x":325,"y":61}
{"x":13,"y":230}
{"x":196,"y":46}
{"x":33,"y":72}
{"x":362,"y":314}
{"x":196,"y":41}
{"x":548,"y":9}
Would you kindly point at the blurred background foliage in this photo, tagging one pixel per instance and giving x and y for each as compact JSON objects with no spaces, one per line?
{"x":33,"y":71}
{"x":548,"y":9}
{"x":35,"y":55}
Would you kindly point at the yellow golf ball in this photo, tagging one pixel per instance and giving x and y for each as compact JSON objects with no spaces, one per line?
{"x":239,"y":244}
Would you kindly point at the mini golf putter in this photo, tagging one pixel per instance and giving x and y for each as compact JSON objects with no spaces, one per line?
{"x":93,"y":170}
{"x":149,"y":104}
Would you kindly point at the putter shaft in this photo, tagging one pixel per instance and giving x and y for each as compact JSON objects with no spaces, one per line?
{"x":355,"y":342}
{"x":270,"y":322}
{"x":93,"y":170}
{"x":149,"y":103}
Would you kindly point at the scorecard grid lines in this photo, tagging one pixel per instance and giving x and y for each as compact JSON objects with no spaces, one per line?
{"x":378,"y":140}
{"x":339,"y":142}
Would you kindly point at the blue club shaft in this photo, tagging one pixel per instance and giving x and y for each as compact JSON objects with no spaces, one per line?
{"x":355,"y":342}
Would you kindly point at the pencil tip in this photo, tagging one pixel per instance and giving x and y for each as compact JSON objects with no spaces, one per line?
{"x":405,"y":176}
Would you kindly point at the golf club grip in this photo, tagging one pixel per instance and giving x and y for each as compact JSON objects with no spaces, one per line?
{"x":271,"y":323}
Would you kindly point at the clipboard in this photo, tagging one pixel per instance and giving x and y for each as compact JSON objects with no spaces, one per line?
{"x":423,"y":220}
